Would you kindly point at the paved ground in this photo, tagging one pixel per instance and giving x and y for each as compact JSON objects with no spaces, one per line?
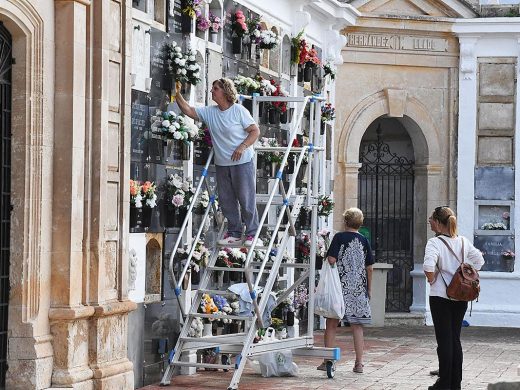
{"x":396,"y":358}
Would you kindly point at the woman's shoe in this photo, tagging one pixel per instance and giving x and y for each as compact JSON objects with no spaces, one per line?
{"x":358,"y":367}
{"x":437,"y":386}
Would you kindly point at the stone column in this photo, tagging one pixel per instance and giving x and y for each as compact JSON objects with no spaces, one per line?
{"x":68,"y":313}
{"x":108,"y":205}
{"x":427,"y":195}
{"x":348,"y":181}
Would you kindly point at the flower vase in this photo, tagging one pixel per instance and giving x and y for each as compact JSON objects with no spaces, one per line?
{"x":274,"y":116}
{"x":133,"y":216}
{"x":290,"y":318}
{"x":200,"y":154}
{"x":322,"y":127}
{"x":319,"y":262}
{"x":289,"y":169}
{"x":213,"y":36}
{"x":185,"y":150}
{"x":180,"y":215}
{"x":300,"y":73}
{"x":207,"y":330}
{"x":186,"y":24}
{"x":195,"y":277}
{"x":248,"y":104}
{"x":284,"y":116}
{"x":509,"y":264}
{"x":307,"y":72}
{"x":169,"y":220}
{"x":281,"y":334}
{"x":236,"y":43}
{"x":274,"y":167}
{"x":146,"y":217}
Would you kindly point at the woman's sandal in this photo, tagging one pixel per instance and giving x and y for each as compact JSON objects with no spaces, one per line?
{"x":358,"y":367}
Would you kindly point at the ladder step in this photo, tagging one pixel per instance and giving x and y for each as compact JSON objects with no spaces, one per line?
{"x":226,"y":293}
{"x":215,"y":268}
{"x":239,"y":246}
{"x":287,"y":265}
{"x":212,"y":341}
{"x":221,"y":317}
{"x":203,"y":365}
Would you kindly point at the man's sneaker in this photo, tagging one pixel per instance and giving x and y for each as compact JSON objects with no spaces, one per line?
{"x":229,"y":240}
{"x":249,"y":241}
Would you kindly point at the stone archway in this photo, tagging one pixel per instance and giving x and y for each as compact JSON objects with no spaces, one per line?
{"x":425,"y":137}
{"x":30,"y":352}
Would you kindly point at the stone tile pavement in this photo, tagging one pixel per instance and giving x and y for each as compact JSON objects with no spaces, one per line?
{"x":397,"y":357}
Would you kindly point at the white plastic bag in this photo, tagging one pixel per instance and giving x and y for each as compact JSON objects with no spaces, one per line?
{"x":328,"y":301}
{"x":276,"y":363}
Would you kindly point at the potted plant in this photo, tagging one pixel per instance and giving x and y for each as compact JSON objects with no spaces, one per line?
{"x":215,"y":24}
{"x":239,"y":29}
{"x":135,"y":202}
{"x":150,"y":201}
{"x":509,"y":260}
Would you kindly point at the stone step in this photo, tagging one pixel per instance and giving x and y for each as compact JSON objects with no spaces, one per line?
{"x":504,"y":386}
{"x":406,"y":319}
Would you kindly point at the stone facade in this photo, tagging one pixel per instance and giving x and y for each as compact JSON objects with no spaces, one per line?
{"x":68,"y":304}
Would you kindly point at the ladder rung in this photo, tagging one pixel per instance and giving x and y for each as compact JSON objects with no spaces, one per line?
{"x":212,"y":341}
{"x":287,"y":265}
{"x":239,"y":246}
{"x":203,"y":365}
{"x":221,"y":317}
{"x":216,"y":292}
{"x":215,"y":268}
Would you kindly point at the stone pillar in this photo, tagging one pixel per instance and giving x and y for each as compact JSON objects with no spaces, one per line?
{"x":348,"y":181}
{"x":428,"y":194}
{"x":69,"y":313}
{"x":109,"y":144}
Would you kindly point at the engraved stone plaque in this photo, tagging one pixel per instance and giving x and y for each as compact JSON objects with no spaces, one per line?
{"x":494,"y":183}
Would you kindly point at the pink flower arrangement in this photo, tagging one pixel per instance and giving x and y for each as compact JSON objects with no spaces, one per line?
{"x":203,"y":23}
{"x":239,"y":25}
{"x":215,"y":23}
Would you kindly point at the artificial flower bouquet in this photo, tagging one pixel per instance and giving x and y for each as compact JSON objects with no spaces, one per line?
{"x":330,"y":70}
{"x":325,"y":206}
{"x":135,"y":194}
{"x":508,"y":254}
{"x":328,"y":113}
{"x":148,"y":194}
{"x":238,"y":24}
{"x":174,"y":126}
{"x":181,"y":67}
{"x":179,"y":192}
{"x":268,"y":39}
{"x":192,"y":8}
{"x":270,"y":157}
{"x":246,"y":85}
{"x":203,"y":23}
{"x":215,"y":23}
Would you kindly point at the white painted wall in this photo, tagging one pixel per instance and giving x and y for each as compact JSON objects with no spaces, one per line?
{"x":490,"y":37}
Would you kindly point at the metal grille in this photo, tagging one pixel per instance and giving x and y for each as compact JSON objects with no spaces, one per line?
{"x":385,"y":194}
{"x":5,"y":188}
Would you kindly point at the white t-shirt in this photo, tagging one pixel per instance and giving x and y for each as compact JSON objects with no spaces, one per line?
{"x":437,"y":253}
{"x":228,"y":131}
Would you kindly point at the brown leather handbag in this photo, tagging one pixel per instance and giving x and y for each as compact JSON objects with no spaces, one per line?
{"x":465,"y":285}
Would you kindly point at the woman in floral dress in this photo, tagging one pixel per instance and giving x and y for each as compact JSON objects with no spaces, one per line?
{"x":352,"y":253}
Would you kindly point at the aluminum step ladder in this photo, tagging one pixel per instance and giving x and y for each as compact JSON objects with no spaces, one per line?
{"x":241,"y":344}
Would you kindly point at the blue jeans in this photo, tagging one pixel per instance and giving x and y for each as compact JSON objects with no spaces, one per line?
{"x":236,"y":186}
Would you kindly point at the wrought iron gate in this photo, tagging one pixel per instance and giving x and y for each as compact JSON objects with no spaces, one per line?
{"x":5,"y":188}
{"x":385,"y":195}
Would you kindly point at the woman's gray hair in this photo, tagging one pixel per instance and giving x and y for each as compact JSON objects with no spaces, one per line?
{"x":228,"y":86}
{"x":353,"y":218}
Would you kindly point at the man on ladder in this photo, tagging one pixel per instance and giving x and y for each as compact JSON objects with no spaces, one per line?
{"x":233,"y":132}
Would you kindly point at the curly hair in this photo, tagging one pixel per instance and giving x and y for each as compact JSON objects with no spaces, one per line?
{"x":229,"y":89}
{"x":353,"y":218}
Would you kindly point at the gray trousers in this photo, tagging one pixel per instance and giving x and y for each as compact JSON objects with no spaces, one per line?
{"x":236,"y":186}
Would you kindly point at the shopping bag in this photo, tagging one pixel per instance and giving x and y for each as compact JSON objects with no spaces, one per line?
{"x":328,"y":300}
{"x":276,"y":363}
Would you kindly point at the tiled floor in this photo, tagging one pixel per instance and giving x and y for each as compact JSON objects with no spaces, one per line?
{"x":396,"y":358}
